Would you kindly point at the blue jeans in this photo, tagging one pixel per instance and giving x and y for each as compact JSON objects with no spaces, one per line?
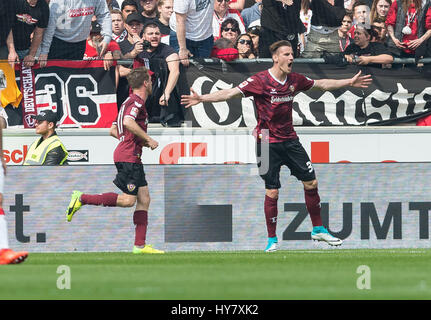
{"x":199,"y":49}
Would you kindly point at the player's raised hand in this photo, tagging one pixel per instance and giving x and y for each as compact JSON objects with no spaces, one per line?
{"x":359,"y":81}
{"x":190,"y":100}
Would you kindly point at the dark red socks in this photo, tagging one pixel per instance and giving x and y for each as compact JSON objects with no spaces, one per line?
{"x":105,"y":199}
{"x":312,"y":202}
{"x":140,"y":219}
{"x":271,"y":213}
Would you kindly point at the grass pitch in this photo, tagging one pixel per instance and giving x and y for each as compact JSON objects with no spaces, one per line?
{"x":245,"y":275}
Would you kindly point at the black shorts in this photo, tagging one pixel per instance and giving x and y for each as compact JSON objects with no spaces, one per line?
{"x":130,"y":176}
{"x":289,"y":153}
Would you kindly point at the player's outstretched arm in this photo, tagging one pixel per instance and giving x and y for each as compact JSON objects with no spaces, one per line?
{"x":358,"y":81}
{"x":222,"y":95}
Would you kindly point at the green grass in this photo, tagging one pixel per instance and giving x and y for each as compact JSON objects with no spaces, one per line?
{"x":283,"y":275}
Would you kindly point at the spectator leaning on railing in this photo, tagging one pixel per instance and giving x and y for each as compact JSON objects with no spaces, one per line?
{"x":164,"y":103}
{"x":365,"y":52}
{"x":31,"y":20}
{"x":69,"y":26}
{"x":191,"y":29}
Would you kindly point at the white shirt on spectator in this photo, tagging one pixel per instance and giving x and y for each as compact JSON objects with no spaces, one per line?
{"x":230,"y":13}
{"x":199,"y":14}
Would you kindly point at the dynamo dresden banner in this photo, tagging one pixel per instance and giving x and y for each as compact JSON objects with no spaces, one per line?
{"x":81,"y":92}
{"x":396,"y":95}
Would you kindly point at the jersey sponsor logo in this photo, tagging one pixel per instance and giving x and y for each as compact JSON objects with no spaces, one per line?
{"x":26,"y":18}
{"x":80,"y":12}
{"x":282,"y":99}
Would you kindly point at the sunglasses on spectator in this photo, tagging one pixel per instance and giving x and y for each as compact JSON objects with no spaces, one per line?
{"x":243,"y":41}
{"x":220,"y":1}
{"x":230,"y":29}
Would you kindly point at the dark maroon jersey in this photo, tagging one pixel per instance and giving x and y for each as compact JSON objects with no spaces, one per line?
{"x":274,"y":102}
{"x":130,"y":147}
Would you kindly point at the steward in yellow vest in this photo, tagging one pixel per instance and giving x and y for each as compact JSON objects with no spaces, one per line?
{"x":48,"y":150}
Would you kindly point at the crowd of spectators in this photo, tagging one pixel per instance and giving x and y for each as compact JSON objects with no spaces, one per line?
{"x":369,"y":32}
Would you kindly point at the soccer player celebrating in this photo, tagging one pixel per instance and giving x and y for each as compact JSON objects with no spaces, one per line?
{"x":131,"y":130}
{"x":273,"y":91}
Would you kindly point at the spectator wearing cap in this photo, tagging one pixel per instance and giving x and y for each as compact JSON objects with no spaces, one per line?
{"x":119,"y":32}
{"x":93,"y":47}
{"x":128,"y":7}
{"x":69,"y":26}
{"x":364,"y":52}
{"x":221,"y":13}
{"x":251,"y":15}
{"x":131,"y":46}
{"x":48,"y":149}
{"x":191,"y":29}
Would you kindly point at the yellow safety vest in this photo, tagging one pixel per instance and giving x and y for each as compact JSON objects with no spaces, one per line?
{"x":36,"y":155}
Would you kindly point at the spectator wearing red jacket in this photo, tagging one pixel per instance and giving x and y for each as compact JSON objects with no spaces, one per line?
{"x":409,"y":28}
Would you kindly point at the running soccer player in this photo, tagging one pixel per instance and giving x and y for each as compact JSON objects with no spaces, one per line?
{"x":131,"y":130}
{"x":273,"y":91}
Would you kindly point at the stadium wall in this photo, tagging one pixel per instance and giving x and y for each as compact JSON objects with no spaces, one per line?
{"x":220,"y":207}
{"x":236,"y":145}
